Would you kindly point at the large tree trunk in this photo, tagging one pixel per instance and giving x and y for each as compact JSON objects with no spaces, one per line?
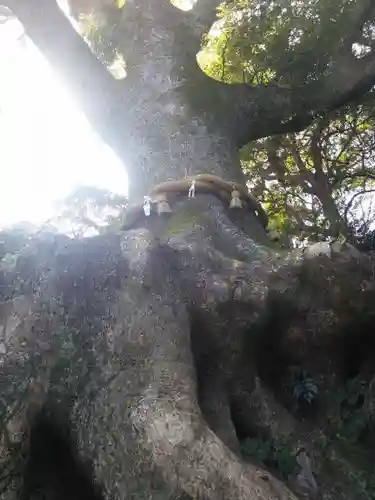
{"x":172,"y":119}
{"x":175,"y":125}
{"x":167,"y":119}
{"x":148,"y":348}
{"x":159,"y":348}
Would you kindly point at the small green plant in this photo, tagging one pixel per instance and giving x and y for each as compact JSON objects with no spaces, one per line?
{"x":257,"y":448}
{"x":272,"y":453}
{"x":303,"y":386}
{"x":285,"y":457}
{"x":362,"y":483}
{"x":322,"y":443}
{"x":352,"y":394}
{"x":352,"y":420}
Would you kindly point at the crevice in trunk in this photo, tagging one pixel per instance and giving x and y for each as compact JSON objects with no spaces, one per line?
{"x":52,"y":468}
{"x":272,"y":360}
{"x":357,"y":347}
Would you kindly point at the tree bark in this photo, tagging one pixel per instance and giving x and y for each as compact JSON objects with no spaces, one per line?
{"x":147,"y":344}
{"x":167,"y":119}
{"x":112,"y":316}
{"x":331,"y":212}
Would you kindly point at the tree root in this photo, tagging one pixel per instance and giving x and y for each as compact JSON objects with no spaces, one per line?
{"x":200,"y":463}
{"x":268,"y":417}
{"x":138,"y":317}
{"x":215,"y":406}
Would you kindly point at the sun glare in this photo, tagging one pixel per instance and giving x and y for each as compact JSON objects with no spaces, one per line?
{"x":47,"y":147}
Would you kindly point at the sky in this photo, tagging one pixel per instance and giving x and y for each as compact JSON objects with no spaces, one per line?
{"x":47,"y":147}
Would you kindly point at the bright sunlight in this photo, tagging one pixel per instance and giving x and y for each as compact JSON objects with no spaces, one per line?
{"x":47,"y":147}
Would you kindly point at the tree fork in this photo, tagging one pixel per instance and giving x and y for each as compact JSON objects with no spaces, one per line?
{"x":245,"y":112}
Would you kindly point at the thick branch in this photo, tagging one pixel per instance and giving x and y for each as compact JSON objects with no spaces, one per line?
{"x":315,"y":149}
{"x":259,"y":111}
{"x":302,"y":179}
{"x":360,"y":14}
{"x":97,"y":92}
{"x":204,"y":14}
{"x":305,"y":175}
{"x":275,"y":162}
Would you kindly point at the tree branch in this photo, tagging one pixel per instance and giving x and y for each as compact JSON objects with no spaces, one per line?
{"x":351,"y":201}
{"x":361,"y":13}
{"x":304,"y":228}
{"x":299,"y":161}
{"x":204,"y":14}
{"x":264,"y":110}
{"x":355,"y":175}
{"x":260,"y":111}
{"x":345,"y":146}
{"x":315,"y":149}
{"x":276,"y":164}
{"x":97,"y":92}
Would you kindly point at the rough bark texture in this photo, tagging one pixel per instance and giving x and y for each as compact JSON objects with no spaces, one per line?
{"x":133,"y":364}
{"x":167,"y":119}
{"x":157,"y":351}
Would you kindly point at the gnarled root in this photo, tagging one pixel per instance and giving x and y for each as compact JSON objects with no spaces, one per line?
{"x":138,"y":318}
{"x":156,"y":394}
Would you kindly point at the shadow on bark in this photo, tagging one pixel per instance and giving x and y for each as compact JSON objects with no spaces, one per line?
{"x":169,"y":365}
